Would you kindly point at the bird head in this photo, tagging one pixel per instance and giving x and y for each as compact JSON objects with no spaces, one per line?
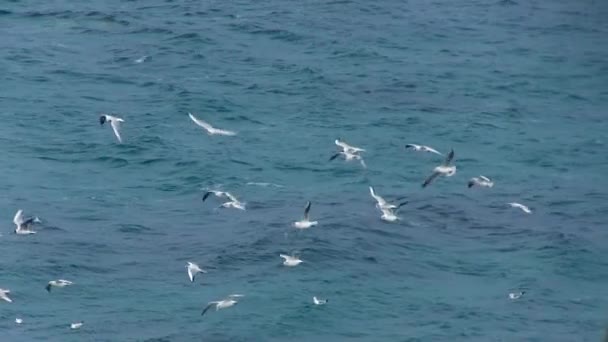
{"x":102,"y":119}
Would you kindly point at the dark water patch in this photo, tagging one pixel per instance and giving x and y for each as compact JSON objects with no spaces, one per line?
{"x":112,"y":161}
{"x":279,"y":34}
{"x":58,"y":14}
{"x":5,"y":12}
{"x":152,"y":30}
{"x":137,"y":229}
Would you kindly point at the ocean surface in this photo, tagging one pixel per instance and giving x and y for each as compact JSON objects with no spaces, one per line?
{"x":519,"y":89}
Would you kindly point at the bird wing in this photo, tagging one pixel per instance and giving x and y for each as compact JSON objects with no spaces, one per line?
{"x":209,"y":305}
{"x":224,"y":132}
{"x":201,"y":123}
{"x":485,"y":178}
{"x":414,"y":146}
{"x":432,"y":150}
{"x":307,"y":211}
{"x":236,"y":295}
{"x":449,"y":158}
{"x":286,"y":257}
{"x":206,"y":195}
{"x":115,"y":127}
{"x":18,"y":220}
{"x":430,"y":179}
{"x":230,"y":196}
{"x":190,"y":274}
{"x":334,"y":156}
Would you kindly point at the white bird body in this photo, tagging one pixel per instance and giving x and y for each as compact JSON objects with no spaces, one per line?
{"x":516,"y":295}
{"x":58,"y":283}
{"x":381,"y":202}
{"x":305,"y":222}
{"x":210,"y":129}
{"x":23,"y":225}
{"x":349,"y":156}
{"x":193,"y":270}
{"x":4,"y":295}
{"x":524,"y":208}
{"x":76,"y":325}
{"x":233,"y":202}
{"x":222,"y":304}
{"x":482,"y":181}
{"x":388,"y":215}
{"x":318,"y":301}
{"x":18,"y":320}
{"x":422,"y":148}
{"x":348,"y":148}
{"x":290,"y":260}
{"x":114,"y":122}
{"x":445,"y":169}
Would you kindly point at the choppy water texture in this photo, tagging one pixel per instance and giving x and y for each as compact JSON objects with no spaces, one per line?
{"x":517,"y":88}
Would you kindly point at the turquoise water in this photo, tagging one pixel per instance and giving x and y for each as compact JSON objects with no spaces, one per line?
{"x":517,"y":88}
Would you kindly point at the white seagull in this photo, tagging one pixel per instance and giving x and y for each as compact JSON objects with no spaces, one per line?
{"x":193,"y":270}
{"x":348,"y":156}
{"x":444,"y":169}
{"x":76,"y":325}
{"x":210,"y":129}
{"x":348,"y":148}
{"x":18,"y":320}
{"x":482,"y":181}
{"x":422,"y":148}
{"x":318,"y":301}
{"x":516,"y":295}
{"x":381,"y":202}
{"x":521,"y":206}
{"x":23,"y":225}
{"x":305,"y":222}
{"x":388,"y":214}
{"x":114,"y":122}
{"x":58,"y":283}
{"x":222,"y":304}
{"x":231,"y":203}
{"x":291,"y":260}
{"x":3,"y":295}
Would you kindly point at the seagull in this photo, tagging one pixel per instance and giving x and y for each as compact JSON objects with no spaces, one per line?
{"x":141,"y":59}
{"x":444,"y":169}
{"x":382,"y":203}
{"x":318,"y":301}
{"x":347,"y":148}
{"x":232,"y":203}
{"x":210,"y":129}
{"x":388,"y":214}
{"x":76,"y":325}
{"x":290,"y":260}
{"x":521,"y":206}
{"x":23,"y":225}
{"x":516,"y":295}
{"x":305,"y":222}
{"x":422,"y":148}
{"x":114,"y":122}
{"x":58,"y":283}
{"x":18,"y":320}
{"x":3,"y":295}
{"x":193,"y":270}
{"x":482,"y":181}
{"x":348,"y":156}
{"x":222,"y":304}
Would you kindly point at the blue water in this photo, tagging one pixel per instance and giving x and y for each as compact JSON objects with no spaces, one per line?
{"x":517,"y":88}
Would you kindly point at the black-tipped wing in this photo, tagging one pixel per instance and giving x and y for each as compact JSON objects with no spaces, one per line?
{"x":430,"y":179}
{"x":207,"y":308}
{"x":334,"y":156}
{"x":471,"y":183}
{"x":48,"y":287}
{"x":207,"y":195}
{"x":449,"y":158}
{"x":410,"y":146}
{"x":307,"y":210}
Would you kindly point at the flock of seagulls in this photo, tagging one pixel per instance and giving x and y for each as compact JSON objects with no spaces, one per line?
{"x":24,"y":226}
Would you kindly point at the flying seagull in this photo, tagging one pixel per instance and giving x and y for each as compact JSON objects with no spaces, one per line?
{"x":348,"y":156}
{"x":348,"y":148}
{"x":58,"y":283}
{"x":23,"y":224}
{"x":521,"y":206}
{"x":422,"y":148}
{"x":381,"y":202}
{"x":222,"y":304}
{"x":114,"y":122}
{"x":318,"y":301}
{"x":210,"y":129}
{"x":76,"y":325}
{"x":3,"y":295}
{"x":516,"y":295}
{"x":482,"y":181}
{"x":444,"y":169}
{"x":193,"y":270}
{"x":305,"y":222}
{"x":291,"y":260}
{"x":232,"y":202}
